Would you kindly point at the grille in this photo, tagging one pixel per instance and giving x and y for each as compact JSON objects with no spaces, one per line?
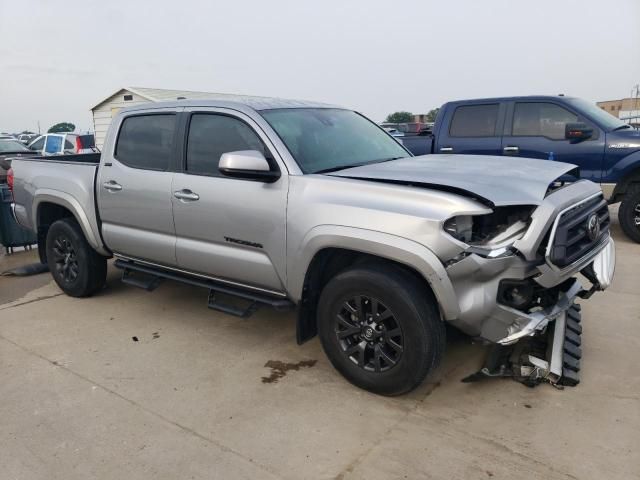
{"x":571,"y":240}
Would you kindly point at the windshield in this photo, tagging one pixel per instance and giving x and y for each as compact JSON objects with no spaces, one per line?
{"x":602,"y":118}
{"x":12,"y":146}
{"x":324,"y":139}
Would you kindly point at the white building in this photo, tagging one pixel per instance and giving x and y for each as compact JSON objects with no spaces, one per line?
{"x":105,"y":110}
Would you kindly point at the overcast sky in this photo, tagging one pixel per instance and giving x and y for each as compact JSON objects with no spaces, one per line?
{"x":57,"y":59}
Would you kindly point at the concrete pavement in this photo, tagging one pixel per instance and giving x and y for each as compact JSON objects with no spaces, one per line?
{"x":205,"y":395}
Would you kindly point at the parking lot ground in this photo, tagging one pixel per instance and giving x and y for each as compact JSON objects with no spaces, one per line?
{"x":131,"y":384}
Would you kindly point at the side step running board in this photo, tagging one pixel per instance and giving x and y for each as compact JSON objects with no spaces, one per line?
{"x":149,"y":278}
{"x":145,"y":281}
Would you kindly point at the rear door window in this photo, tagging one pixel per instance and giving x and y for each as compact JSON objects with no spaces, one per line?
{"x":211,"y":135}
{"x":37,"y":145}
{"x":538,"y":119}
{"x":54,"y":144}
{"x":475,"y":121}
{"x":146,"y":141}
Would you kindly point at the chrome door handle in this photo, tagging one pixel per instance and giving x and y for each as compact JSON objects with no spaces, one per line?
{"x":446,"y":149}
{"x":112,"y":186}
{"x":186,"y":195}
{"x":511,"y":149}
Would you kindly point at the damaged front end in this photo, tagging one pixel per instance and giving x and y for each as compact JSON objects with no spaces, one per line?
{"x":516,"y":282}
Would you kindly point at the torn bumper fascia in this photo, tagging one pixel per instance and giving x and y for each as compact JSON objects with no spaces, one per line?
{"x":603,"y":264}
{"x":476,"y":281}
{"x":526,"y":325}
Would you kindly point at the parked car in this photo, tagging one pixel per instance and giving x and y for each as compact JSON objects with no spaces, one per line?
{"x":9,"y":148}
{"x":413,"y":128}
{"x":64,"y":143}
{"x":27,"y":138}
{"x":287,"y":203}
{"x":564,"y":129}
{"x":393,"y":132}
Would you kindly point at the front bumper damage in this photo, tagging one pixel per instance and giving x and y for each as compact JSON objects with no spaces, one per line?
{"x":537,"y":339}
{"x":545,"y":345}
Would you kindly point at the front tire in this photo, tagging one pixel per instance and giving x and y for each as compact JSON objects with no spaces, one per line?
{"x":381,"y":328}
{"x":77,"y":268}
{"x":629,"y":213}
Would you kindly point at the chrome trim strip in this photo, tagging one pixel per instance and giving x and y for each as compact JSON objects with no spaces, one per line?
{"x":215,"y":279}
{"x":552,"y":235}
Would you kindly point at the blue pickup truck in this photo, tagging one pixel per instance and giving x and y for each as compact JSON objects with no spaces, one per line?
{"x":565,"y":129}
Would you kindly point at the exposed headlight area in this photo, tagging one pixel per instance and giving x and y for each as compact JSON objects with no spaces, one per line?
{"x":491,"y":234}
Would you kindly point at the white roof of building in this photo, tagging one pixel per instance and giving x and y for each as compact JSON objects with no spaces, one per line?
{"x":256,"y":102}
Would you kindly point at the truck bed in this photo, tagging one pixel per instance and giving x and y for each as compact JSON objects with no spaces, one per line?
{"x":67,"y":179}
{"x":89,"y":158}
{"x":417,"y":144}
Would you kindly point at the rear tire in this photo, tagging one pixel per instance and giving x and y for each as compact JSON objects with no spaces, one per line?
{"x":76,"y":267}
{"x":629,"y":213}
{"x":404,"y":341}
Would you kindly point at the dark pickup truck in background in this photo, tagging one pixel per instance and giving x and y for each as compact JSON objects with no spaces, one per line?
{"x":565,"y":129}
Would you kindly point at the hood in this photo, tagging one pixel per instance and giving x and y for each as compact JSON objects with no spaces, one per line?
{"x":498,"y":181}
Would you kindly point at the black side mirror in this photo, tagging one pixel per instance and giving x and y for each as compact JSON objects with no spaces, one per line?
{"x":577,"y":131}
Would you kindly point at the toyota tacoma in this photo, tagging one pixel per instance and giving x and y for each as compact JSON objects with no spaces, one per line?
{"x":303,"y":205}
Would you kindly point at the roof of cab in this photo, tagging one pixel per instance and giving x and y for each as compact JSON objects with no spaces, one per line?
{"x":514,"y":98}
{"x":233,"y":101}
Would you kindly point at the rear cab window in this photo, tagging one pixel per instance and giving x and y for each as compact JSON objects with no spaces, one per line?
{"x":475,"y":121}
{"x":147,"y":141}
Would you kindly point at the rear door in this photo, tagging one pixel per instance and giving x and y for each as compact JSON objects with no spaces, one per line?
{"x":228,"y":228}
{"x":471,"y":128}
{"x":536,"y":129}
{"x":134,"y":187}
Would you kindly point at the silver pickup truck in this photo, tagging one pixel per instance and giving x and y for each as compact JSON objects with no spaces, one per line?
{"x":309,"y":206}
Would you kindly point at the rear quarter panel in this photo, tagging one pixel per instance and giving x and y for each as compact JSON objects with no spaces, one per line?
{"x":68,"y":184}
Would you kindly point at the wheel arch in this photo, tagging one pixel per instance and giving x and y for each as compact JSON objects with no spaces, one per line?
{"x":47,"y":208}
{"x":331,"y":249}
{"x":630,"y":166}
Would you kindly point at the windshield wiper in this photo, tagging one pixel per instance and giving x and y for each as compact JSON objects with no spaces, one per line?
{"x":621,"y":127}
{"x":335,"y":169}
{"x":388,"y":159}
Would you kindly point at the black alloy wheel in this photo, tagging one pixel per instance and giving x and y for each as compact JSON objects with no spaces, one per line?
{"x":64,"y":257}
{"x":369,"y":334}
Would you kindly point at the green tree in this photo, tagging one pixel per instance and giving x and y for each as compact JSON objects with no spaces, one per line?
{"x":62,"y":127}
{"x":399,"y":117}
{"x":433,"y":113}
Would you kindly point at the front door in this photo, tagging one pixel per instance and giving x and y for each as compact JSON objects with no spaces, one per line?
{"x":134,"y":188}
{"x":537,"y":130}
{"x":228,"y":228}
